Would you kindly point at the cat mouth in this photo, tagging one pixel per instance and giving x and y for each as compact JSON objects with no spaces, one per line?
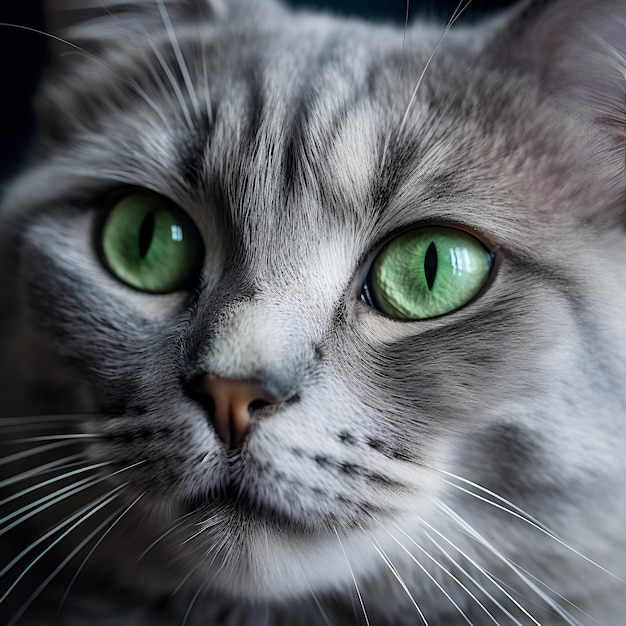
{"x":237,"y":504}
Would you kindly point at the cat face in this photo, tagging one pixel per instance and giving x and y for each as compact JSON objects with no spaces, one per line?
{"x":304,"y":154}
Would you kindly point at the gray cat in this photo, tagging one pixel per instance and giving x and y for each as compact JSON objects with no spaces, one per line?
{"x":308,"y":320}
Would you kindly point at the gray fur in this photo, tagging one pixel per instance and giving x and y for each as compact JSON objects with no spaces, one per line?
{"x":412,"y":457}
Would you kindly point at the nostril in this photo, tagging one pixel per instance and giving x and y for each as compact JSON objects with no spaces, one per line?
{"x":207,"y":402}
{"x":255,"y":405}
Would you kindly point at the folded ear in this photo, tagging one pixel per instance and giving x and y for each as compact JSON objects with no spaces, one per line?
{"x":577,"y":48}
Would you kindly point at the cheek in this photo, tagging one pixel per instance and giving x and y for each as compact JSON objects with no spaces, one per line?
{"x":164,"y":446}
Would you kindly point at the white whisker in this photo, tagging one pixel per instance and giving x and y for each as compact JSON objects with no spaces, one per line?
{"x":133,"y":85}
{"x":55,"y":438}
{"x":397,"y":88}
{"x":356,"y":586}
{"x":320,"y":608}
{"x":204,"y":525}
{"x":570,"y":619}
{"x":33,"y":421}
{"x":46,"y":502}
{"x":54,"y":498}
{"x":472,"y":595}
{"x":50,"y":481}
{"x":215,"y":548}
{"x":59,"y":464}
{"x":19,"y":456}
{"x":483,"y":571}
{"x":48,"y":534}
{"x":163,"y":536}
{"x":66,"y":560}
{"x":95,"y":547}
{"x":174,"y":84}
{"x":153,"y":105}
{"x":396,"y":574}
{"x":101,"y":503}
{"x":555,"y":593}
{"x":428,"y":574}
{"x":460,"y":9}
{"x":180,"y":57}
{"x":508,"y":507}
{"x":207,"y":90}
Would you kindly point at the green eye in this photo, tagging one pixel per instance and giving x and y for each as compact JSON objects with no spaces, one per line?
{"x":427,"y":272}
{"x":151,"y":244}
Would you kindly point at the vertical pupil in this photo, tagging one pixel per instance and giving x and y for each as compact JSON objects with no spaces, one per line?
{"x":146,"y":233}
{"x":430,"y":265}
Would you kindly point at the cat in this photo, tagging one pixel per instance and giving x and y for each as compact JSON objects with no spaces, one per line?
{"x":311,"y":320}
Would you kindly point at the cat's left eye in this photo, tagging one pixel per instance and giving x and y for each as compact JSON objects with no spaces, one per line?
{"x":427,"y":272}
{"x":151,"y":244}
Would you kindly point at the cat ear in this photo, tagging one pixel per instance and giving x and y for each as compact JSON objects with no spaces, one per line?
{"x":577,"y":48}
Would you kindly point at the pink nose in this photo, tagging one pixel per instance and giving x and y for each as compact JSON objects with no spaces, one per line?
{"x":234,"y":401}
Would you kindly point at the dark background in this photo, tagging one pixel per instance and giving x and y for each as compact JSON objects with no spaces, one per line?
{"x":22,"y":55}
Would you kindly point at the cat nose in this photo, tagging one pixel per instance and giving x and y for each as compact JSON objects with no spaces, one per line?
{"x":231,"y":404}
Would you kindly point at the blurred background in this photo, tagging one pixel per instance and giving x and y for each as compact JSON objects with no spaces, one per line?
{"x":22,"y":54}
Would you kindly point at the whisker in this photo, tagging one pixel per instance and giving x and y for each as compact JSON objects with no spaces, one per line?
{"x":451,"y":575}
{"x":94,"y":548}
{"x":180,"y":57}
{"x":467,"y":575}
{"x":397,"y":87}
{"x":96,"y":506}
{"x":48,"y":534}
{"x":204,"y":525}
{"x":54,"y":498}
{"x":19,"y":456}
{"x":570,"y":619}
{"x":402,"y":53}
{"x":64,"y":463}
{"x":421,"y":566}
{"x":460,"y":9}
{"x":519,"y":513}
{"x":356,"y":586}
{"x":168,"y":532}
{"x":132,"y":84}
{"x":301,"y":562}
{"x":507,"y":506}
{"x":396,"y":574}
{"x":483,"y":571}
{"x":320,"y":608}
{"x":215,"y":548}
{"x":174,"y":84}
{"x":42,"y":438}
{"x":50,"y":481}
{"x":207,"y":90}
{"x":556,"y":593}
{"x":50,"y":36}
{"x":36,"y":420}
{"x":219,"y":545}
{"x":536,"y":603}
{"x":46,"y":502}
{"x":192,"y":603}
{"x":66,"y":560}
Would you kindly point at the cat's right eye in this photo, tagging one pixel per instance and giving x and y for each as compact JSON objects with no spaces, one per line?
{"x":151,"y":244}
